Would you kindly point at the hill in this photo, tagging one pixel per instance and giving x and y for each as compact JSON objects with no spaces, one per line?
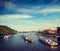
{"x":6,"y":30}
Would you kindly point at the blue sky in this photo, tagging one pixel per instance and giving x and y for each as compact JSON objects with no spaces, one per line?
{"x":27,"y":15}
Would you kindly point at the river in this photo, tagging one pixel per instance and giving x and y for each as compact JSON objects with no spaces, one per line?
{"x":17,"y":43}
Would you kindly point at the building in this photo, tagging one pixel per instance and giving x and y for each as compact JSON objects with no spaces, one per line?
{"x":58,"y":30}
{"x":50,"y":31}
{"x":58,"y":36}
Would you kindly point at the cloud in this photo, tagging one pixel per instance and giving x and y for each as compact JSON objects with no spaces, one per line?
{"x":38,"y":10}
{"x":10,"y":5}
{"x":15,"y":16}
{"x":32,"y":10}
{"x":47,"y":10}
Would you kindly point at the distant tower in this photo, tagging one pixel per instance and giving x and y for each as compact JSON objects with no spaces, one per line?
{"x":58,"y":30}
{"x":58,"y":34}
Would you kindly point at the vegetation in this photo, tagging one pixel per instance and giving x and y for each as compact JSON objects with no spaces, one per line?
{"x":6,"y":30}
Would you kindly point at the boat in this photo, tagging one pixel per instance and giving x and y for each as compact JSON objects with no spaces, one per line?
{"x":6,"y":37}
{"x":48,"y":41}
{"x":28,"y":40}
{"x":51,"y":42}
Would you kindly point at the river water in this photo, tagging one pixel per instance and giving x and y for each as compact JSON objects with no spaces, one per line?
{"x":17,"y":43}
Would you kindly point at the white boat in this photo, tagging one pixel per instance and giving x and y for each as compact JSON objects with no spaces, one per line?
{"x":48,"y":41}
{"x":28,"y":39}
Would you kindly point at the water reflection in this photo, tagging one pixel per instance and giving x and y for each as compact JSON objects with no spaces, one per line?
{"x":17,"y":43}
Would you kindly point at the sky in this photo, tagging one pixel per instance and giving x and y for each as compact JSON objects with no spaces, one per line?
{"x":30,"y":15}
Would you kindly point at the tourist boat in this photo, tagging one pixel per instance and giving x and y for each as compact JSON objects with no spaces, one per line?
{"x":51,"y":43}
{"x":48,"y":41}
{"x":28,"y":39}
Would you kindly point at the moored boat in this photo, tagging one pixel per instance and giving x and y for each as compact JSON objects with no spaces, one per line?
{"x":47,"y":41}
